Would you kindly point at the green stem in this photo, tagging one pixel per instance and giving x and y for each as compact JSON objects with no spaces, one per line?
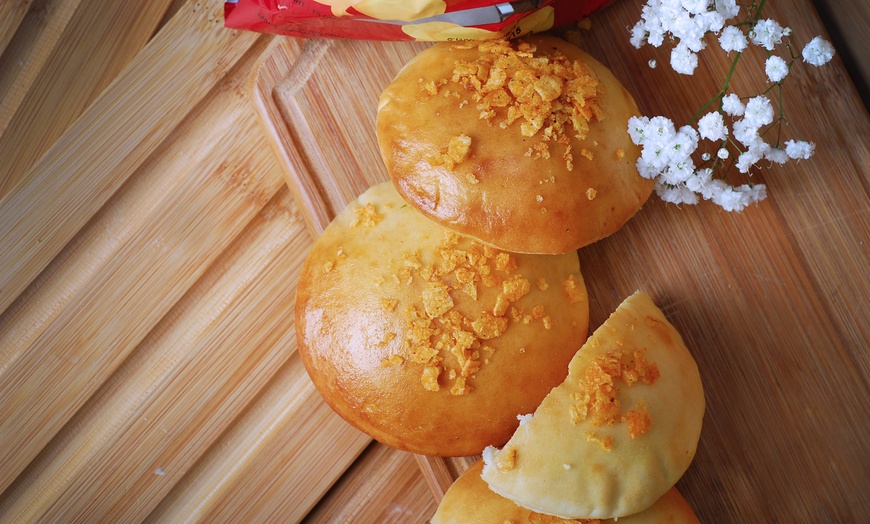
{"x":721,"y":92}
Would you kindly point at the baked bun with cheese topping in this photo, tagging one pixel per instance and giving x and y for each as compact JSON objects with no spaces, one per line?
{"x":522,"y":145}
{"x":428,"y":341}
{"x":618,"y":433}
{"x":470,"y":501}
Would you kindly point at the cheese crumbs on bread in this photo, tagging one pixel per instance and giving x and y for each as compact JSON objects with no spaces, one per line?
{"x":548,"y":95}
{"x":599,"y":388}
{"x":448,"y":343}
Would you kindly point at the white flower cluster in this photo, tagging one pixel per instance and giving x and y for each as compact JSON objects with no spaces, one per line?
{"x":687,"y":21}
{"x":667,"y":152}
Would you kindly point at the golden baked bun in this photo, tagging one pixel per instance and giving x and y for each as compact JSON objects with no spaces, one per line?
{"x":470,"y":501}
{"x":521,"y":145}
{"x":618,"y":433}
{"x":427,"y":341}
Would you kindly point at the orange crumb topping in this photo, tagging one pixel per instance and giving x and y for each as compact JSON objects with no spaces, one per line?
{"x":436,"y":299}
{"x":392,"y":360}
{"x":606,"y":443}
{"x":488,"y":326}
{"x":620,"y":154}
{"x":504,"y":262}
{"x":639,"y":421}
{"x":448,"y":344}
{"x":573,"y":289}
{"x":591,"y":193}
{"x":367,"y":216}
{"x":430,"y":378}
{"x":456,"y":152}
{"x":513,"y":289}
{"x":548,"y":94}
{"x":599,"y":388}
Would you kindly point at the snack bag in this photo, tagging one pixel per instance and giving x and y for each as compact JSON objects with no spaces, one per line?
{"x":423,"y":20}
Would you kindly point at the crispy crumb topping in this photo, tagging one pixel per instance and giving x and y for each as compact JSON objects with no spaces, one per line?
{"x":591,"y":193}
{"x":599,"y":388}
{"x":639,"y":421}
{"x":450,"y":345}
{"x":573,"y":289}
{"x":606,"y":442}
{"x":392,"y":360}
{"x":547,"y":93}
{"x":456,"y":152}
{"x":367,"y":216}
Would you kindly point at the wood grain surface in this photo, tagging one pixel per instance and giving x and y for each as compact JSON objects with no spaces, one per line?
{"x":162,"y":179}
{"x":772,"y":301}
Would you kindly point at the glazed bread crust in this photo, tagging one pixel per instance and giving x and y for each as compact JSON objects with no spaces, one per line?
{"x":430,"y":342}
{"x":523,"y":194}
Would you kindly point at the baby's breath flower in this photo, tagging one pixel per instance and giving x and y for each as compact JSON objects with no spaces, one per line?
{"x":712,"y":126}
{"x":712,"y":189}
{"x":759,"y":112}
{"x":638,"y":35}
{"x":732,"y":105}
{"x":732,"y":39}
{"x":776,"y":155}
{"x":744,"y":133}
{"x":766,"y":33}
{"x":776,"y":69}
{"x":668,"y":154}
{"x":661,"y":128}
{"x":818,"y":52}
{"x":638,"y":129}
{"x":695,"y":7}
{"x":678,"y":172}
{"x":676,"y":194}
{"x":799,"y":149}
{"x":646,"y":170}
{"x":737,"y":198}
{"x":683,"y":144}
{"x":699,"y":180}
{"x":746,"y":160}
{"x":727,"y":9}
{"x":683,"y":60}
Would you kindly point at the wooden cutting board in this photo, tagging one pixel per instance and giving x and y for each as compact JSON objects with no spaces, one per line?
{"x":772,"y":301}
{"x":150,"y":244}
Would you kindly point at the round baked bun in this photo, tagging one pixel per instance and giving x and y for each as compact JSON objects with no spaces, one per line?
{"x":427,"y":341}
{"x":523,"y":145}
{"x":470,"y":501}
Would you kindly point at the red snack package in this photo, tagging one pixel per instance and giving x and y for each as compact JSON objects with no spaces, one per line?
{"x":424,"y":20}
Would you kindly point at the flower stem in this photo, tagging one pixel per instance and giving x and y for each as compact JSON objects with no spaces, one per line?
{"x":718,"y":97}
